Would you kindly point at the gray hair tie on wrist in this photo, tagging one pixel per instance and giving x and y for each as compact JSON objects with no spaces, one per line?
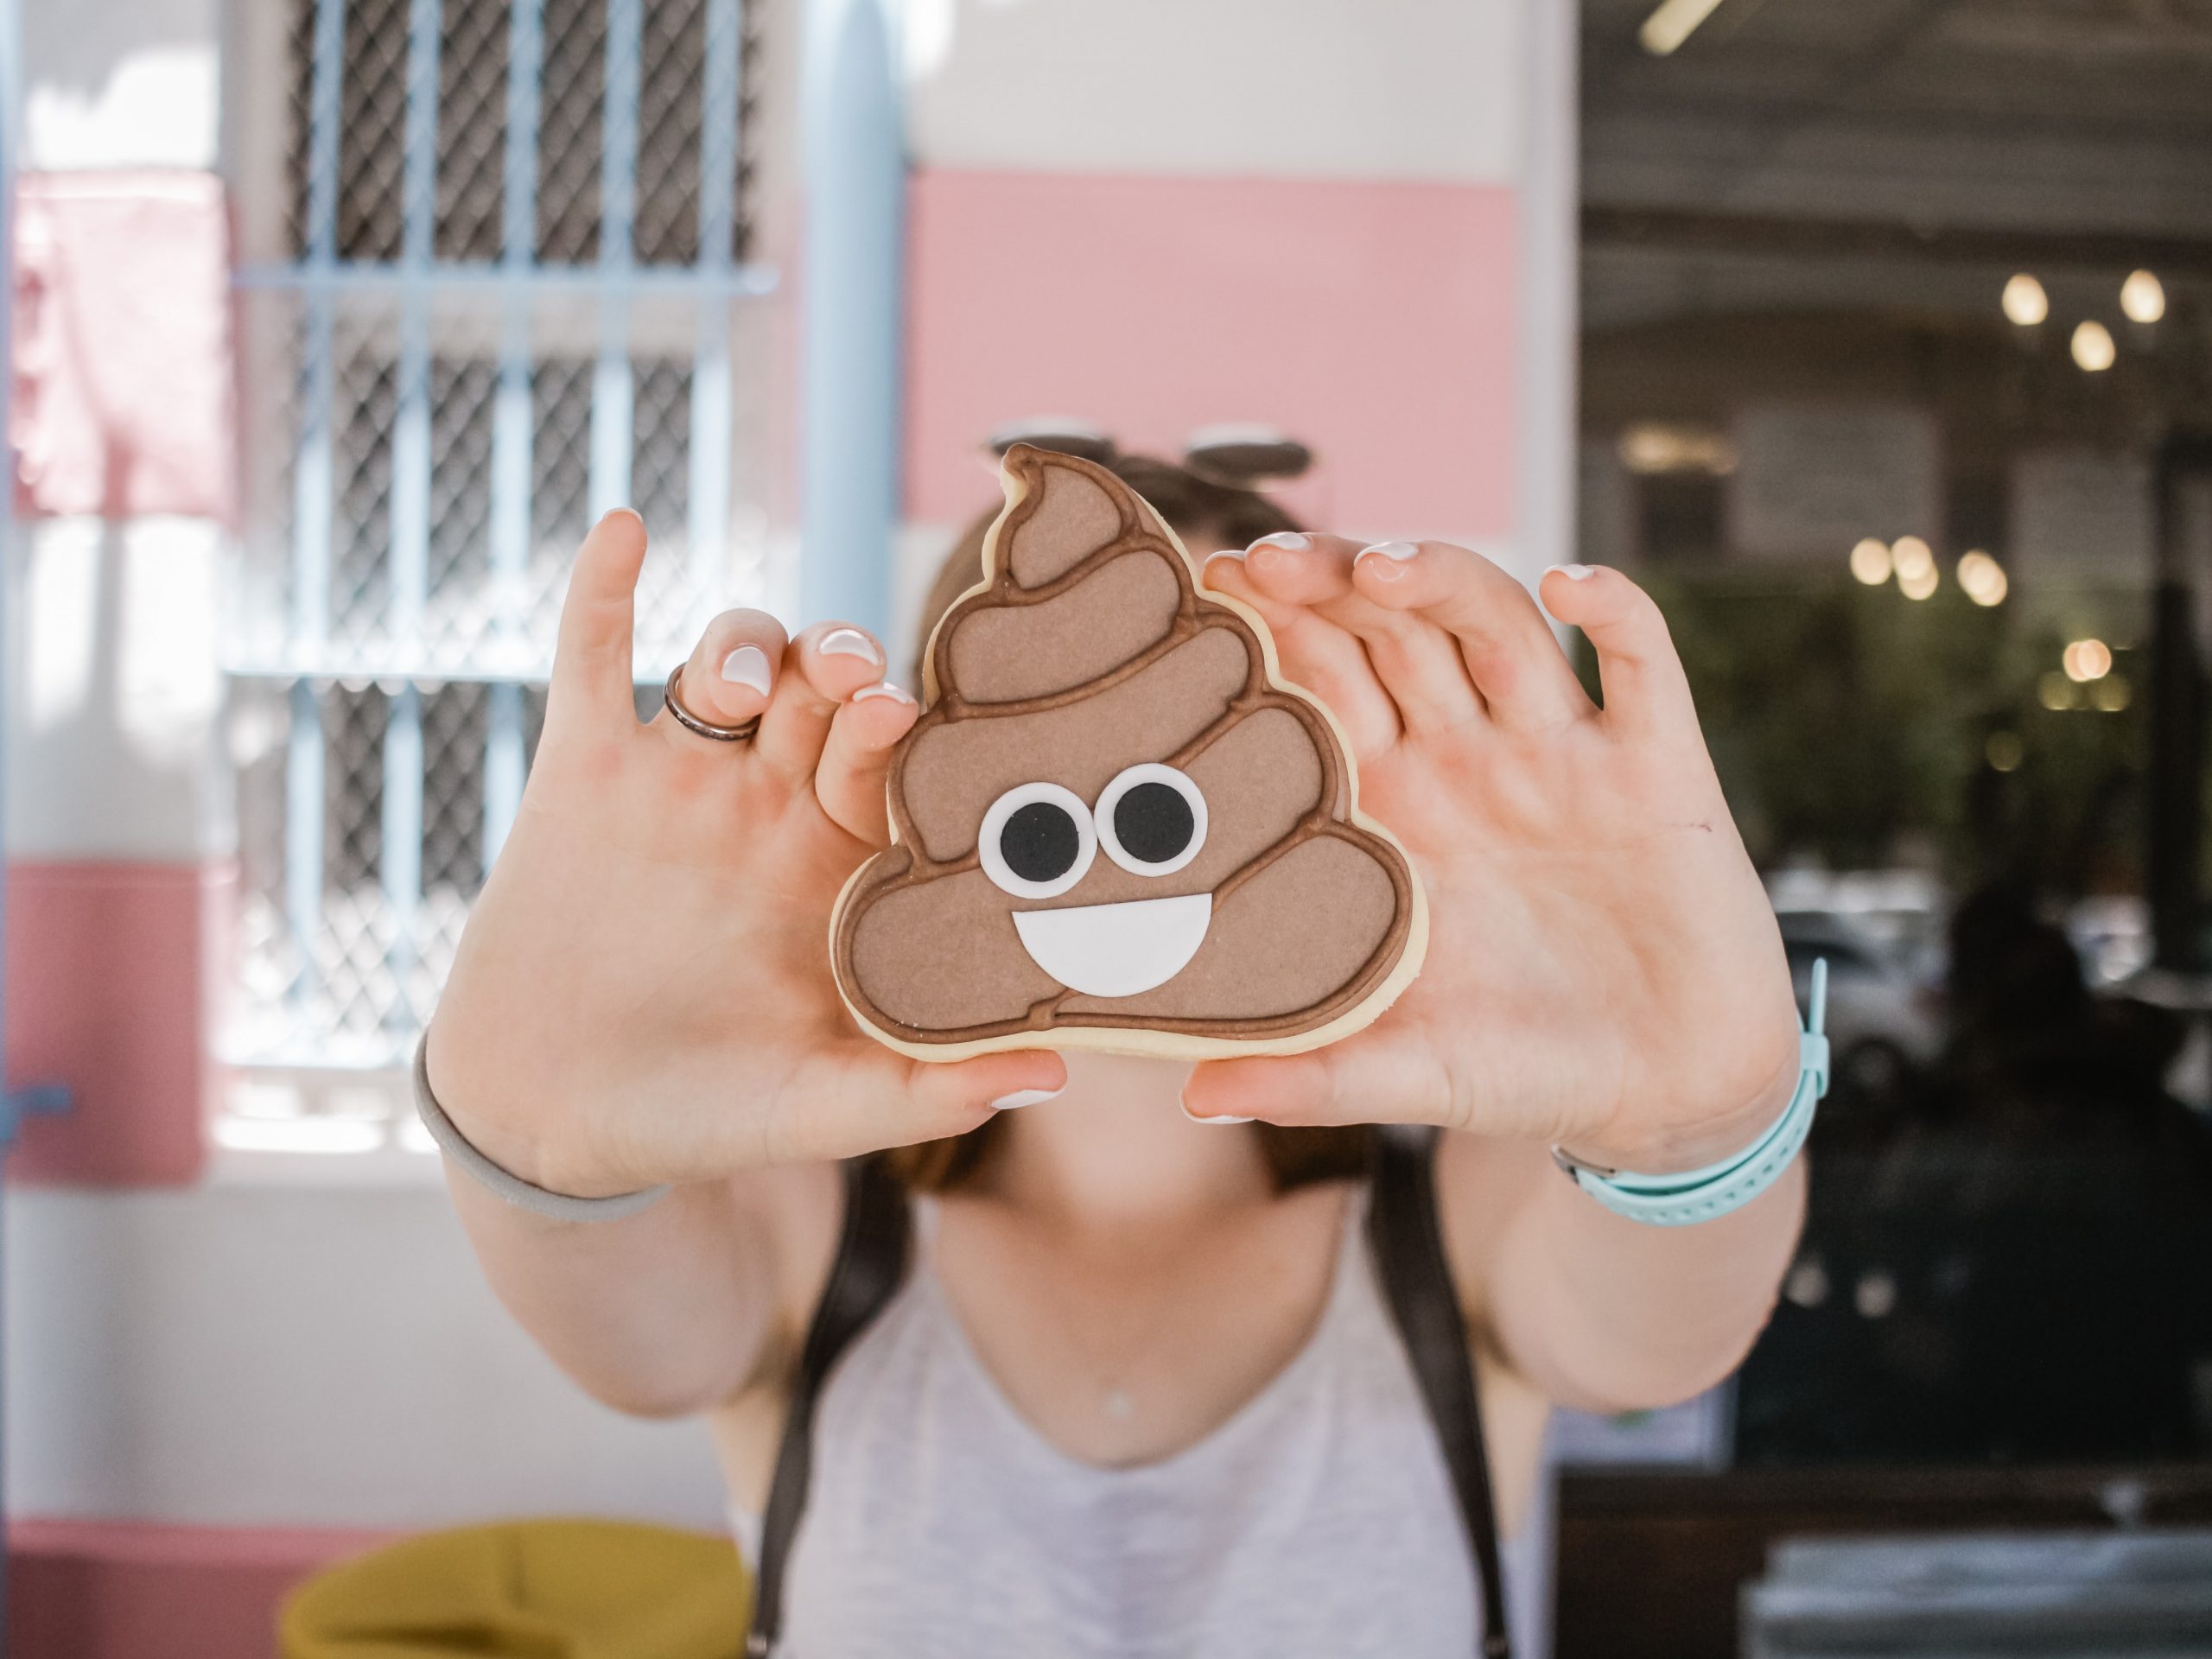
{"x":555,"y":1206}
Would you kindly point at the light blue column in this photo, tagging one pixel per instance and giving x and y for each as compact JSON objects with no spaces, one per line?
{"x":400,"y":855}
{"x":613,"y":389}
{"x":720,"y":105}
{"x":851,"y":304}
{"x":512,"y":438}
{"x":313,"y":506}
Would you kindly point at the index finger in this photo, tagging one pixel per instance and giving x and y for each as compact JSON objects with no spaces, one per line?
{"x":1525,"y":678}
{"x":1646,"y":690}
{"x":590,"y":687}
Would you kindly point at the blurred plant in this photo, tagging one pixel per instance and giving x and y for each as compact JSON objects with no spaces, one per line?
{"x":1856,"y":727}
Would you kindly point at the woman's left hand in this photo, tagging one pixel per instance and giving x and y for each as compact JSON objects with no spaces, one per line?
{"x":1603,"y":969}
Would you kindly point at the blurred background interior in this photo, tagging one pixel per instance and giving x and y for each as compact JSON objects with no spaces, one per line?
{"x":1876,"y":338}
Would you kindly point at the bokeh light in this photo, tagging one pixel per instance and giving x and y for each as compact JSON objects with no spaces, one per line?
{"x":2093,"y":347}
{"x":1982,"y":578}
{"x":1869,"y":561}
{"x":2086,"y":660}
{"x":2142,"y":296}
{"x":2024,"y":301}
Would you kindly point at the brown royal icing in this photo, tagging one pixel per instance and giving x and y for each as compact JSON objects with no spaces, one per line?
{"x":1088,"y":651}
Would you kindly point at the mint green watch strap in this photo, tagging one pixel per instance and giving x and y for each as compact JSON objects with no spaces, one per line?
{"x":1702,"y":1194}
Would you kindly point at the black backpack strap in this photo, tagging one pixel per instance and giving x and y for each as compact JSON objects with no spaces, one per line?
{"x":871,"y":1263}
{"x":1408,"y":1241}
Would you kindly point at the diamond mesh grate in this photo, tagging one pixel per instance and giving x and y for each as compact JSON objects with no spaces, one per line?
{"x":353,"y":720}
{"x":299,"y":64}
{"x":669,"y":112}
{"x":572,"y":103}
{"x":456,"y":726}
{"x":668,"y":598}
{"x":473,"y":40}
{"x":372,"y":142}
{"x":463,"y":391}
{"x":361,"y":563}
{"x":560,"y":491}
{"x":472,"y":130}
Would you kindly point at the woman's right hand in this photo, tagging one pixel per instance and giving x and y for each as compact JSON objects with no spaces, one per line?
{"x":643,"y":992}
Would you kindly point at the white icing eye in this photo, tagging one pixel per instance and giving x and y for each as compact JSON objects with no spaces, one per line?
{"x":1037,"y":841}
{"x":1152,"y":819}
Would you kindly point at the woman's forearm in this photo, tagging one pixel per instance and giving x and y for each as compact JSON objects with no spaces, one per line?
{"x":1607,"y":1315}
{"x":660,"y":1315}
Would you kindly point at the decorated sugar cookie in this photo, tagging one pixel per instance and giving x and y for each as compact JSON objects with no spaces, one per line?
{"x":1114,"y":826}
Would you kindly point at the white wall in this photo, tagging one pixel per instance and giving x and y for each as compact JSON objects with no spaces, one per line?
{"x":302,"y":1355}
{"x":111,"y":689}
{"x":120,"y":83}
{"x":1359,"y":89}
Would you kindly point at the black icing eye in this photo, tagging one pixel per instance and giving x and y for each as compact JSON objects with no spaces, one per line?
{"x":1040,"y":842}
{"x":1153,"y":822}
{"x":1037,"y":841}
{"x":1152,"y":819}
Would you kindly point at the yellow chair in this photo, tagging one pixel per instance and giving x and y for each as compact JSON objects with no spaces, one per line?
{"x":528,"y":1590}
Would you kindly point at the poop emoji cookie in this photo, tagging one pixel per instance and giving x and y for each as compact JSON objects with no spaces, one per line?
{"x":1114,"y":826}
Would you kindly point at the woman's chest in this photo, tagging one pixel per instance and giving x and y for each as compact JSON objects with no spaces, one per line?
{"x":1122,"y":1356}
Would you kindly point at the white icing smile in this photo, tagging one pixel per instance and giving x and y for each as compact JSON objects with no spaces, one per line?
{"x":1116,"y":950}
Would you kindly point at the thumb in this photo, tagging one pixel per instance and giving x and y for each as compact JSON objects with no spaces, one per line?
{"x":1372,"y":1077}
{"x":864,"y":1102}
{"x":1021,"y":1076}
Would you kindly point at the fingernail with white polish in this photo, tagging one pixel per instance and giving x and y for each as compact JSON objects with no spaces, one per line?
{"x":747,"y":666}
{"x":1025,"y":1097}
{"x":1195,"y":1118}
{"x":1576,"y":572}
{"x":1399,"y":551}
{"x":1235,"y":553}
{"x":849,"y":642}
{"x":1287,"y":541}
{"x":869,"y":693}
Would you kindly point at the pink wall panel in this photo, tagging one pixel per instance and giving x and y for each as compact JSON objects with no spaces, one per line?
{"x":104,"y":970}
{"x":118,"y":1590}
{"x":1372,"y":319}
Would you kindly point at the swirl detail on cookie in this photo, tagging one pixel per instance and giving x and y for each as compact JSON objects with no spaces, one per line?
{"x":1114,"y":825}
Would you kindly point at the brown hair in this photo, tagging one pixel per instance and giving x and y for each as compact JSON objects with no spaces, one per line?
{"x":1191,"y":504}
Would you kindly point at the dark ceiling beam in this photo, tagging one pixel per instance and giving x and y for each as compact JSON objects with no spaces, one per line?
{"x":1850,"y":76}
{"x":1693,"y":230}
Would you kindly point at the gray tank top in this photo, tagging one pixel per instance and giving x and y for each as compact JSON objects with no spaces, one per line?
{"x":1319,"y":1519}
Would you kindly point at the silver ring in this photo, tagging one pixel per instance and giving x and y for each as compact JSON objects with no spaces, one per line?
{"x":691,"y":722}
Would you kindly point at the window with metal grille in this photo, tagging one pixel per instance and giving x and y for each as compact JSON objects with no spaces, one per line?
{"x":515,"y":294}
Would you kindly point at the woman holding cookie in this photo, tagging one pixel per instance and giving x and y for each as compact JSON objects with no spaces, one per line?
{"x":1227,"y":862}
